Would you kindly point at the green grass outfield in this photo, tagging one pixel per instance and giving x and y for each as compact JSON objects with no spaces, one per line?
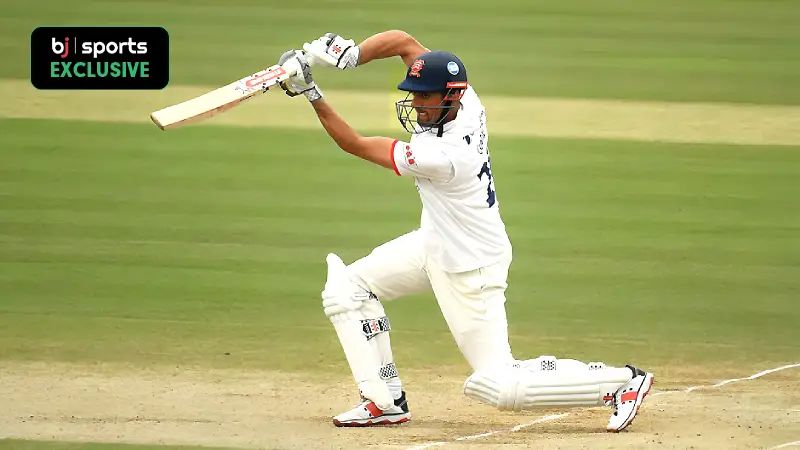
{"x":206,"y":247}
{"x":709,"y":50}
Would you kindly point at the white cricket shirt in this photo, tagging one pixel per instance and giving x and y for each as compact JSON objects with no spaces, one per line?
{"x":460,"y":213}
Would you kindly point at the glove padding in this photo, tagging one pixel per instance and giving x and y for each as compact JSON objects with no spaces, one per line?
{"x":302,"y":82}
{"x":332,"y":50}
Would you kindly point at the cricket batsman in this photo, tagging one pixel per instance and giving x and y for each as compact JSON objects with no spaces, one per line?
{"x":460,"y":251}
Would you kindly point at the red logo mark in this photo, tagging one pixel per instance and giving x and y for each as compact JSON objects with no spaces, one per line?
{"x":257,"y":79}
{"x":336,"y":49}
{"x":416,"y":67}
{"x":409,"y":156}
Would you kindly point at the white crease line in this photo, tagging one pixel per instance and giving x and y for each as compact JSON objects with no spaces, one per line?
{"x":477,"y":436}
{"x":751,"y":377}
{"x":426,"y":445}
{"x":788,"y":444}
{"x":490,"y":433}
{"x":562,"y":415}
{"x":539,"y":420}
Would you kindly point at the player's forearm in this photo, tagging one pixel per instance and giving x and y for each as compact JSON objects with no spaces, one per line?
{"x":388,"y":44}
{"x":339,"y":130}
{"x":349,"y":140}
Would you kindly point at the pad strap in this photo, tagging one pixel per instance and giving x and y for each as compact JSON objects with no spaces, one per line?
{"x":372,"y":327}
{"x":388,"y":371}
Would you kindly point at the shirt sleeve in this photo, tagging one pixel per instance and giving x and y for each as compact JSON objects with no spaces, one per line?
{"x":421,"y":161}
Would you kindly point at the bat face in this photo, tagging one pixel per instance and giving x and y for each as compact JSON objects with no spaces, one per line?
{"x":219,"y":100}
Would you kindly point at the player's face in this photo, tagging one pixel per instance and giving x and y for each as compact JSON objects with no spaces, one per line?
{"x":425,"y":103}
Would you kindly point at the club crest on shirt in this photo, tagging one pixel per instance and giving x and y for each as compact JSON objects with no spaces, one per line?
{"x":409,"y":155}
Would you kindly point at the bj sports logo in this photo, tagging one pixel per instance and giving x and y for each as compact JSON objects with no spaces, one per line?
{"x":99,"y":58}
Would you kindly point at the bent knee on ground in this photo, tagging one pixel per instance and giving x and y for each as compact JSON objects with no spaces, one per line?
{"x":544,"y":381}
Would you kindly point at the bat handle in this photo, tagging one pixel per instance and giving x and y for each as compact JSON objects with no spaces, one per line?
{"x":292,"y":68}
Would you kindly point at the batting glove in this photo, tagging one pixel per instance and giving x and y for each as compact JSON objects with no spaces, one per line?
{"x":333,"y":50}
{"x":301,"y":82}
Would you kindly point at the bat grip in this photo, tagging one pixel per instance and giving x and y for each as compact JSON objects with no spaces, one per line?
{"x":292,"y":69}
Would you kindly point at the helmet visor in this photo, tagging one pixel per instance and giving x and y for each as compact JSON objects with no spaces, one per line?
{"x":409,"y":118}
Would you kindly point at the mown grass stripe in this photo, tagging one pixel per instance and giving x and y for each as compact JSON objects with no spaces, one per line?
{"x":374,"y":112}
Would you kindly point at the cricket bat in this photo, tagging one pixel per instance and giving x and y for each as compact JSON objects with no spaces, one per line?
{"x":222,"y":99}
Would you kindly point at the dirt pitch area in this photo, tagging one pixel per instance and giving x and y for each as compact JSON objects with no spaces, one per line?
{"x":284,"y":410}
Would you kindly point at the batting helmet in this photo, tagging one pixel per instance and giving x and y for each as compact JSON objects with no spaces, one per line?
{"x":436,"y":71}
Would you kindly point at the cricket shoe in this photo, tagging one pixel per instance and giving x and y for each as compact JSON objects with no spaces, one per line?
{"x":367,"y":414}
{"x":627,"y":400}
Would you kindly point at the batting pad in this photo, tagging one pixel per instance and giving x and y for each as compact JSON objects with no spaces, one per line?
{"x":518,"y":388}
{"x":363,"y":357}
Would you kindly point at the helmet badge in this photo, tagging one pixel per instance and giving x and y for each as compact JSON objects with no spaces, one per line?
{"x":452,"y":67}
{"x":416,"y":67}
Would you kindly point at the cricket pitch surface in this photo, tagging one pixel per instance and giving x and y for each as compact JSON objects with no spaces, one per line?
{"x":264,"y":409}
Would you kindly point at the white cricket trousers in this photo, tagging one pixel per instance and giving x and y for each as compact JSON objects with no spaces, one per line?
{"x":472,"y":303}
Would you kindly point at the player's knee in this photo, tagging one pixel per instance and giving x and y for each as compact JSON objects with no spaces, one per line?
{"x":496,"y":387}
{"x":507,"y":386}
{"x":341,"y":295}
